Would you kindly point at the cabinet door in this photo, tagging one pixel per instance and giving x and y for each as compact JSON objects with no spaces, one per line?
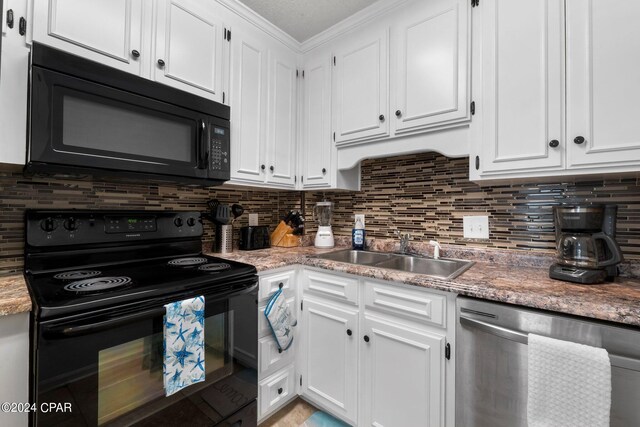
{"x":521,"y":110}
{"x":360,"y":86}
{"x":281,"y":153}
{"x":105,"y":31}
{"x":329,"y":357}
{"x":430,"y":79}
{"x":248,"y":104}
{"x":402,"y":376}
{"x":316,"y":139}
{"x":189,"y":47}
{"x":603,"y":88}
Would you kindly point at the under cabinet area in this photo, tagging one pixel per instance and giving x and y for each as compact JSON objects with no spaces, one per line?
{"x":179,"y":43}
{"x":552,"y":89}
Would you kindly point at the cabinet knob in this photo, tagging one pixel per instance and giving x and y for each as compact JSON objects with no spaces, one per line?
{"x":554,"y":143}
{"x":161,"y":63}
{"x":280,"y":390}
{"x":262,"y":167}
{"x":381,"y":117}
{"x":366,"y":338}
{"x":398,"y":113}
{"x":279,"y":350}
{"x":135,"y":53}
{"x":271,"y":168}
{"x":349,"y":332}
{"x":280,"y":285}
{"x":578,"y":139}
{"x":324,"y":170}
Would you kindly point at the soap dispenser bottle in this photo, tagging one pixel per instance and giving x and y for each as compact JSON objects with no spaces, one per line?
{"x":358,"y":235}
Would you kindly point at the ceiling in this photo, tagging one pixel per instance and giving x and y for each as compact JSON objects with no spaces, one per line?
{"x":303,"y":19}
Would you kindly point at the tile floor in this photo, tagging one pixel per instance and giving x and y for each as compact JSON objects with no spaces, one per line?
{"x":292,"y":415}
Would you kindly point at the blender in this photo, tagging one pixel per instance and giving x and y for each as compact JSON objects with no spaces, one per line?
{"x":322,"y":212}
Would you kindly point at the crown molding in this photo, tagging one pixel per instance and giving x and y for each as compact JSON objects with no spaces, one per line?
{"x":250,"y":15}
{"x":358,"y":19}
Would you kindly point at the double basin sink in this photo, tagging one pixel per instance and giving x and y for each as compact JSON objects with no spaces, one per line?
{"x":441,"y":268}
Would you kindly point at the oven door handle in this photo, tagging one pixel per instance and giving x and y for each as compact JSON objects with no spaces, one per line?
{"x":88,"y":328}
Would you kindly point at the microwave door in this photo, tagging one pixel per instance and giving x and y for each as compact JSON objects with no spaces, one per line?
{"x":83,"y":124}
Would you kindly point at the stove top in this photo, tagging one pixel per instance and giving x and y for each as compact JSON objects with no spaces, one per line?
{"x":108,"y":269}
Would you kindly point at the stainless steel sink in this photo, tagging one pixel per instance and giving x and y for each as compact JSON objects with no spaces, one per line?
{"x":355,"y":257}
{"x":443,"y":268}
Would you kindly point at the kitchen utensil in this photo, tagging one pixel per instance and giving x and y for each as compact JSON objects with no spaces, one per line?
{"x":223,"y":214}
{"x":213,"y":205}
{"x":236,"y":210}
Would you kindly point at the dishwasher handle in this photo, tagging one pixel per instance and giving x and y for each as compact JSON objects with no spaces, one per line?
{"x":522,"y":338}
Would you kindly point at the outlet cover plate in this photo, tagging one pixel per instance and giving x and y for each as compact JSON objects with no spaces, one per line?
{"x":361,"y":217}
{"x":475,"y":227}
{"x":253,"y":219}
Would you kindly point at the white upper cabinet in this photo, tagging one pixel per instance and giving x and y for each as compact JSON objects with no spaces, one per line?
{"x":188,"y":47}
{"x":360,"y":85}
{"x":248,"y":101}
{"x":316,"y":117}
{"x":106,"y":31}
{"x":282,"y":141}
{"x":603,"y":87}
{"x":430,"y":47}
{"x":521,"y":113}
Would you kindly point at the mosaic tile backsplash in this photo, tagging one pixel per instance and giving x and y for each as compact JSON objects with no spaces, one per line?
{"x":428,"y":194}
{"x":18,"y":193}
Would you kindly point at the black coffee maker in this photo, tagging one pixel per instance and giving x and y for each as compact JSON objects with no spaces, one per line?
{"x":585,"y":241}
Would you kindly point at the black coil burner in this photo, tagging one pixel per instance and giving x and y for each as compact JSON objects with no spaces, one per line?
{"x":187,"y":262}
{"x":97,"y":284}
{"x":214,"y":267}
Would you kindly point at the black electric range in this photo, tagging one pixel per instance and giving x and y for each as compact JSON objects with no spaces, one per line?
{"x":99,"y":281}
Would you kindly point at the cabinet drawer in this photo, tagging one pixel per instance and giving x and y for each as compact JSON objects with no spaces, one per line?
{"x":263,"y":325}
{"x":270,"y":359}
{"x":276,"y":390}
{"x":270,"y":283}
{"x":331,"y":286}
{"x":413,"y":303}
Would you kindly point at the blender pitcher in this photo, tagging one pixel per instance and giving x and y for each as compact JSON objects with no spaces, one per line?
{"x":322,"y":213}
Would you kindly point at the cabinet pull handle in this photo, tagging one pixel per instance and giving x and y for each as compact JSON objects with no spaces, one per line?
{"x":554,"y":143}
{"x":135,"y":53}
{"x":280,"y":390}
{"x":271,"y":168}
{"x":366,"y":338}
{"x":398,"y":113}
{"x":324,"y":170}
{"x":161,"y":63}
{"x":381,"y":117}
{"x":578,"y":140}
{"x":10,"y":18}
{"x":22,"y":26}
{"x":349,"y":332}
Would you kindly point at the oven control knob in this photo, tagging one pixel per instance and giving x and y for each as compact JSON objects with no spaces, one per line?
{"x":48,"y":224}
{"x":191,"y":222}
{"x":71,"y":224}
{"x":178,"y":222}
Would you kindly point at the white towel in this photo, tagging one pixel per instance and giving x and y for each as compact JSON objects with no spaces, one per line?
{"x":569,"y":384}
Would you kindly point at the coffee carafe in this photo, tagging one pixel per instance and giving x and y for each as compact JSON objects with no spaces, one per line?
{"x":585,"y":241}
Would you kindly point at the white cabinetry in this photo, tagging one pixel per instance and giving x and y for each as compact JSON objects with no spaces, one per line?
{"x":263,"y":110}
{"x":14,"y":378}
{"x":276,"y":369}
{"x":179,"y":43}
{"x":527,"y":56}
{"x":430,"y":64}
{"x":361,"y":85}
{"x":13,"y":86}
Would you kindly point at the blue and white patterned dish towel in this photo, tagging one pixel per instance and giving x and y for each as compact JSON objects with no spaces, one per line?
{"x":280,"y":319}
{"x":183,"y":344}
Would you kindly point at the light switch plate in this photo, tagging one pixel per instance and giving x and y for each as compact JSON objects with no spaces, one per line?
{"x":253,"y":219}
{"x":475,"y":227}
{"x":361,"y":217}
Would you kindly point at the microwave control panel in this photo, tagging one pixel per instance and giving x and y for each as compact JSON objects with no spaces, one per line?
{"x":219,"y":149}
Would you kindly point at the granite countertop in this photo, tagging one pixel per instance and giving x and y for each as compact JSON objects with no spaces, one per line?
{"x":497,"y":275}
{"x":14,"y":296}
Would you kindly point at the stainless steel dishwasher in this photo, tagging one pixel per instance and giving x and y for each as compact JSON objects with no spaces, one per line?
{"x":491,"y":361}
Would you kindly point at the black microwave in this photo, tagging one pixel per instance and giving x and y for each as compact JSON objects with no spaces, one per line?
{"x":87,"y":118}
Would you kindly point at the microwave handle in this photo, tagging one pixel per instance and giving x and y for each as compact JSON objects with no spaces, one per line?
{"x":201,"y":146}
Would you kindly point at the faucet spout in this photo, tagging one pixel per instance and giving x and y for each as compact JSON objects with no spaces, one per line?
{"x":436,"y":248}
{"x":404,"y":241}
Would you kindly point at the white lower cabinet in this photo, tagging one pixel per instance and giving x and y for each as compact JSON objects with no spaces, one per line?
{"x":14,"y":378}
{"x":276,"y":390}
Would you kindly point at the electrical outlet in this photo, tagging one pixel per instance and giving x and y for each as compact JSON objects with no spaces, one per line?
{"x":361,"y":217}
{"x":253,"y":219}
{"x":475,"y":227}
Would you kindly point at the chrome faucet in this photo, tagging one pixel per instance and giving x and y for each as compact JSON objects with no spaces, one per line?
{"x":436,"y":248}
{"x":404,"y":240}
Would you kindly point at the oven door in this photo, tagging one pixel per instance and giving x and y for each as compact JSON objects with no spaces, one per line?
{"x":108,"y":370}
{"x":78,"y":124}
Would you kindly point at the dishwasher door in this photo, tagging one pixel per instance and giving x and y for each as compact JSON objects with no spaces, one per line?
{"x":491,"y":361}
